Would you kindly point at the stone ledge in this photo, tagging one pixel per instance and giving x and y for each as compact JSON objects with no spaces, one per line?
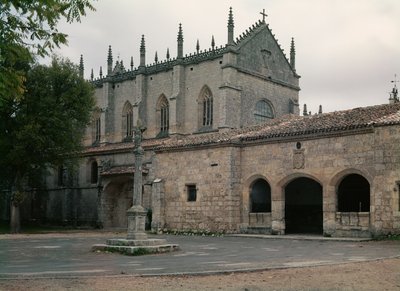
{"x":135,"y":242}
{"x":136,"y":250}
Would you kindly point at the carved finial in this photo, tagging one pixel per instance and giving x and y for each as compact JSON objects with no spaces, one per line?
{"x":156,"y":57}
{"x":142,"y":52}
{"x":168,"y":54}
{"x":131,"y":63}
{"x":91,"y":75}
{"x":109,"y":60}
{"x":197,"y":46}
{"x":101,"y":72}
{"x":230,"y":27}
{"x":180,"y":42}
{"x":212,"y":42}
{"x":305,"y":113}
{"x":81,"y":67}
{"x":394,"y":98}
{"x":293,"y":55}
{"x":320,"y":109}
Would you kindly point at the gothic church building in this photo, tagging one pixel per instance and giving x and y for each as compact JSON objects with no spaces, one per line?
{"x":227,"y":151}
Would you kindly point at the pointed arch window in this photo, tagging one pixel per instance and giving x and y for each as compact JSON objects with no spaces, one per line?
{"x":98,"y":129}
{"x":207,"y":112}
{"x":163,"y":115}
{"x":127,"y":121}
{"x":96,"y":126}
{"x":263,"y":111}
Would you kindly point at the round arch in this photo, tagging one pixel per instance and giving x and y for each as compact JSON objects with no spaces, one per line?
{"x":263,"y":110}
{"x":246,"y":197}
{"x":303,"y":197}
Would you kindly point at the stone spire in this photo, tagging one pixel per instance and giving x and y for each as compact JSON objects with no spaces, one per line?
{"x":142,"y":52}
{"x":81,"y":67}
{"x":197,"y":46}
{"x":230,"y":27}
{"x":109,"y":61}
{"x":91,"y":75}
{"x":101,"y":72}
{"x":156,"y":58}
{"x":305,"y":113}
{"x":212,"y":43}
{"x":394,"y":98}
{"x":131,"y":63}
{"x":180,"y":42}
{"x":292,"y":55}
{"x":320,"y":109}
{"x":168,"y":56}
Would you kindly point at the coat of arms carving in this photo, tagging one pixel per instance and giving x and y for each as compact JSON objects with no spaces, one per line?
{"x":298,"y":159}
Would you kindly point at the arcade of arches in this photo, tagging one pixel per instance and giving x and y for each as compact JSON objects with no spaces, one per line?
{"x":303,"y":210}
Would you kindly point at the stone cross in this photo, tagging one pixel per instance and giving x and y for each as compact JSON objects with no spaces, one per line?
{"x":395,"y":80}
{"x":137,"y":214}
{"x":263,"y":14}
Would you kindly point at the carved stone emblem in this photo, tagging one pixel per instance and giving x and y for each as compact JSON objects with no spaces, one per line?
{"x":298,"y":159}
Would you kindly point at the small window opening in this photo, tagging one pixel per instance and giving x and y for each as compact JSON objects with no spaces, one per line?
{"x":191,"y":193}
{"x":61,"y":176}
{"x":94,"y":173}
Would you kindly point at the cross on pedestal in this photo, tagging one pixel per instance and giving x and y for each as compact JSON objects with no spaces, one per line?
{"x":263,"y":14}
{"x":137,"y":214}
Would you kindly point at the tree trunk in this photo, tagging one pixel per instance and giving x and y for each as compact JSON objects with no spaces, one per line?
{"x":15,"y":219}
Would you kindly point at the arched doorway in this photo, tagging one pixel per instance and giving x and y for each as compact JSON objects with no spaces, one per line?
{"x":260,"y":196}
{"x":354,"y":194}
{"x":117,"y":199}
{"x":303,"y":206}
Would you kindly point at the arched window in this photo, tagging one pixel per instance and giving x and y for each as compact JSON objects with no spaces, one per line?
{"x":96,"y":127}
{"x":163,"y":115}
{"x":354,"y":194}
{"x":263,"y":111}
{"x":127,"y":121}
{"x":94,"y":174}
{"x":207,"y":107}
{"x":260,"y":196}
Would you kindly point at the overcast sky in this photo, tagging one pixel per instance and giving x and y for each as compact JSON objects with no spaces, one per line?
{"x":347,"y":51}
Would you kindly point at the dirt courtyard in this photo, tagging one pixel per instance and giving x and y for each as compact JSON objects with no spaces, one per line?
{"x":375,"y":275}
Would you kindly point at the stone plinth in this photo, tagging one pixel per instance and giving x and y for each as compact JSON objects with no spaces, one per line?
{"x":136,"y":247}
{"x":136,"y":223}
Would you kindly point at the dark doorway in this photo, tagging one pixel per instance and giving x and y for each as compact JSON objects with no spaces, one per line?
{"x":260,"y":196}
{"x":303,"y":206}
{"x":353,"y":194}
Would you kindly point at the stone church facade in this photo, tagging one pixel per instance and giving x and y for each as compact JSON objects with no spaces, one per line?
{"x":227,"y":151}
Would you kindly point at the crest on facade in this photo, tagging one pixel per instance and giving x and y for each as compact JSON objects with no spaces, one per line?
{"x":298,"y":159}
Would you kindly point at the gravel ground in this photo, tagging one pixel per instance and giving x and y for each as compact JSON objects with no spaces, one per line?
{"x":375,"y":275}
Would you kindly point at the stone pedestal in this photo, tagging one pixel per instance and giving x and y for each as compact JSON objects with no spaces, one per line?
{"x":136,"y":223}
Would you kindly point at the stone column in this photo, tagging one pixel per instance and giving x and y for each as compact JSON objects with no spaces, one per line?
{"x":137,"y":214}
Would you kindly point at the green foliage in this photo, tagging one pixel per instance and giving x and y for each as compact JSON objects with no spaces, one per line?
{"x":40,"y":129}
{"x":29,"y":29}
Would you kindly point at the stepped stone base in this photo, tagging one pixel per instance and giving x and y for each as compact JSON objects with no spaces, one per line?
{"x":136,"y":247}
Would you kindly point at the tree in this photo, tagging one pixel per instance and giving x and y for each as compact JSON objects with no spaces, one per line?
{"x":29,"y":29}
{"x":43,"y":129}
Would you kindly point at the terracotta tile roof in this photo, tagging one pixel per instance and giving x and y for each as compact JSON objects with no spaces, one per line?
{"x":293,"y":125}
{"x":121,"y":170}
{"x":280,"y":128}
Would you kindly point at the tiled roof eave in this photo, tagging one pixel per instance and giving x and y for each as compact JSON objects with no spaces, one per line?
{"x":305,"y":136}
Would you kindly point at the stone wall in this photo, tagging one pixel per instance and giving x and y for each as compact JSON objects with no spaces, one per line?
{"x":217,"y":207}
